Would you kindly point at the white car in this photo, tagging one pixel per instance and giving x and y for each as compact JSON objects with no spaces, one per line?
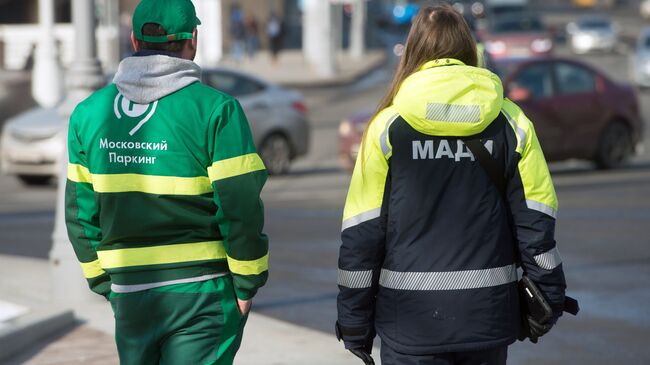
{"x":640,"y":59}
{"x":592,"y":33}
{"x":32,"y":142}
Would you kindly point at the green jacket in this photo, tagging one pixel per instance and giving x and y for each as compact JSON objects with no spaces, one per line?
{"x":164,"y":182}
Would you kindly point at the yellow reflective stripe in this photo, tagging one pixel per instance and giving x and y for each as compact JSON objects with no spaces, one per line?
{"x":78,"y":173}
{"x":235,"y":166}
{"x":91,"y":269}
{"x":157,"y":255}
{"x":151,"y":184}
{"x":249,"y":267}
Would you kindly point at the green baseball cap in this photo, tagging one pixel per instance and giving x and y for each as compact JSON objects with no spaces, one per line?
{"x":177,"y":17}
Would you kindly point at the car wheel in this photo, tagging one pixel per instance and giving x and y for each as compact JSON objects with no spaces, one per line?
{"x":276,"y":154}
{"x":35,"y":180}
{"x":614,"y":147}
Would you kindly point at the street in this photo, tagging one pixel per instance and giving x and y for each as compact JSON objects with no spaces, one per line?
{"x":603,"y":232}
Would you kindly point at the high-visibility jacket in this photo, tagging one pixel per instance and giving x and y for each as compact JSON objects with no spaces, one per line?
{"x":428,"y":254}
{"x":167,"y":191}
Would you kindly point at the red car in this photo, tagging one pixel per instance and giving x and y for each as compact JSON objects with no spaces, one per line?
{"x":578,"y":112}
{"x":517,"y":35}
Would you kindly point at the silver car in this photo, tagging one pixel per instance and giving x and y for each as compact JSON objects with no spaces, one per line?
{"x":640,"y":59}
{"x":592,"y":33}
{"x":31,"y":143}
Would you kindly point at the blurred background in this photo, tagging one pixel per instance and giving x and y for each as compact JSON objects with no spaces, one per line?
{"x":309,"y":74}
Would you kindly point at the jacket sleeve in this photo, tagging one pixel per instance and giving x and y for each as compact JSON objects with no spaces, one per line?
{"x":363,"y":237}
{"x":534,"y":207}
{"x":82,"y":212}
{"x":238,"y":174}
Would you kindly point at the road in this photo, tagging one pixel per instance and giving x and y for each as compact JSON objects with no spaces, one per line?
{"x":603,"y":232}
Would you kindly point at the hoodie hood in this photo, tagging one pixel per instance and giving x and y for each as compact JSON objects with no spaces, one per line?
{"x":447,"y":98}
{"x":145,"y":79}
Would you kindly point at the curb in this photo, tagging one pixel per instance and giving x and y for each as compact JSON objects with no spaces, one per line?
{"x":31,"y":328}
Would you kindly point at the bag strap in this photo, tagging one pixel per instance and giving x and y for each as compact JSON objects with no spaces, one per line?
{"x":494,"y":170}
{"x":496,"y":173}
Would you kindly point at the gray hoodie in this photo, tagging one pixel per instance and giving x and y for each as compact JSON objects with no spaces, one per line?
{"x":145,"y":79}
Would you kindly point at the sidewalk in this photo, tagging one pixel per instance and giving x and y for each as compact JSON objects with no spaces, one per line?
{"x":25,"y":282}
{"x":293,"y":70}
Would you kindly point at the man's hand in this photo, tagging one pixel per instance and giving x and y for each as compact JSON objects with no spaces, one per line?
{"x":244,"y":306}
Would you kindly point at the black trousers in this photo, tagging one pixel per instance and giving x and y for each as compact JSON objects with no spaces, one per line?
{"x":495,"y":356}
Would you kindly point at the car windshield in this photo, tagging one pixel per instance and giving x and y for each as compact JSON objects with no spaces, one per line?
{"x":517,"y":25}
{"x":593,"y":24}
{"x":504,"y":69}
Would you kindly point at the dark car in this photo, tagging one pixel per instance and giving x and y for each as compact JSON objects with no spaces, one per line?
{"x":577,"y":111}
{"x":517,"y":35}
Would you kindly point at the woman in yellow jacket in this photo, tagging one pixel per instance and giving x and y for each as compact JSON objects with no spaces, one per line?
{"x":429,"y":243}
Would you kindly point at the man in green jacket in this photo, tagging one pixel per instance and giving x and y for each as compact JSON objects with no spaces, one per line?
{"x":163,"y":201}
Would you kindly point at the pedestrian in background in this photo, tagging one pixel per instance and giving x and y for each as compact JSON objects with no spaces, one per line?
{"x":429,"y":243}
{"x":237,"y":34}
{"x":252,"y":36}
{"x":163,"y":201}
{"x":275,"y":35}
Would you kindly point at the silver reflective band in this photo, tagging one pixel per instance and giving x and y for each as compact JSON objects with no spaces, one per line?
{"x":355,"y":279}
{"x":141,"y":287}
{"x":541,"y":207}
{"x":453,"y":113}
{"x":383,"y":138}
{"x":549,"y":260}
{"x":448,"y":280}
{"x":520,"y":132}
{"x":360,"y":218}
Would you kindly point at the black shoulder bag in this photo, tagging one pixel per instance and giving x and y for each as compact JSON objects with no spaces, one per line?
{"x":532,"y":301}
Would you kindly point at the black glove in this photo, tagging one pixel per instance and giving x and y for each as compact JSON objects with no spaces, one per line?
{"x":358,"y":341}
{"x":534,"y":330}
{"x":363,"y":355}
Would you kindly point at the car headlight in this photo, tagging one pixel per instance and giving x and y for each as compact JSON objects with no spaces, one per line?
{"x":495,"y":47}
{"x":541,"y":45}
{"x":345,"y":128}
{"x":583,"y":40}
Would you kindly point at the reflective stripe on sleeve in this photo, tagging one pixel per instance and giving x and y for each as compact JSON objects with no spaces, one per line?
{"x":91,"y":269}
{"x":158,"y":255}
{"x":79,"y":174}
{"x":453,"y":113}
{"x":520,"y":132}
{"x":549,"y":260}
{"x":248,"y":267}
{"x":448,"y":280}
{"x":235,"y":166}
{"x":541,"y":207}
{"x":360,"y":218}
{"x":355,"y":279}
{"x":383,"y":138}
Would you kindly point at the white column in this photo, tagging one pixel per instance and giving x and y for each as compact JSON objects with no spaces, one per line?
{"x":210,"y":47}
{"x":318,"y":37}
{"x":47,"y":81}
{"x":358,"y":29}
{"x":85,"y":76}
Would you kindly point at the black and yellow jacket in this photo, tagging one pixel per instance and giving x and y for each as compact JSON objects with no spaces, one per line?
{"x":428,"y":243}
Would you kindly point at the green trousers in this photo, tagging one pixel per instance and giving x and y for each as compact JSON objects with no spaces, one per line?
{"x":194,"y":323}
